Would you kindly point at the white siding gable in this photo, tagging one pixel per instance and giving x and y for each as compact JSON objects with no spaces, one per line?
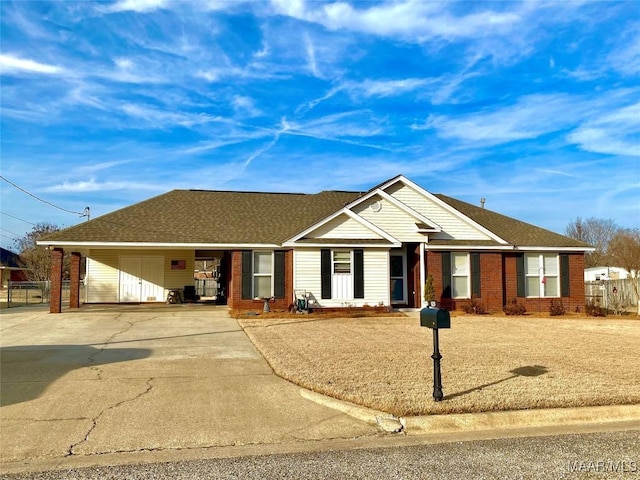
{"x":452,"y":225}
{"x":390,"y":218}
{"x":344,"y":227}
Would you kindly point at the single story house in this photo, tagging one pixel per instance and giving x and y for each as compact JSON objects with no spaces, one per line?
{"x":12,"y":268}
{"x":597,"y":274}
{"x":337,"y":248}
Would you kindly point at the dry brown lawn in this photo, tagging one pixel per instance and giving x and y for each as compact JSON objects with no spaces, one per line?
{"x":488,"y":364}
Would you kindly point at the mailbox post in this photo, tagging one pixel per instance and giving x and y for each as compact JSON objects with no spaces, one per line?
{"x":436,"y":318}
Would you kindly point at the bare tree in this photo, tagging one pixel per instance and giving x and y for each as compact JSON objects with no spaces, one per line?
{"x":598,"y":233}
{"x":624,"y":250}
{"x":37,"y":258}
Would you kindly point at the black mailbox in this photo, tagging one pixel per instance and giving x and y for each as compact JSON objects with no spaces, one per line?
{"x":435,"y":318}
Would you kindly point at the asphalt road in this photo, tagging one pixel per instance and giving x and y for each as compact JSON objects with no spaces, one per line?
{"x":594,"y":455}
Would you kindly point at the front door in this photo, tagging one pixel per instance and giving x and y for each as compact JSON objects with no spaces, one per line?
{"x":398,"y":276}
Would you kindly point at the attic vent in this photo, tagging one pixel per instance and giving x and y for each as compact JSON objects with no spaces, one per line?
{"x":376,"y":206}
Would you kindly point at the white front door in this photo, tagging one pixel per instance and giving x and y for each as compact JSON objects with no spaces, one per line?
{"x":141,"y":279}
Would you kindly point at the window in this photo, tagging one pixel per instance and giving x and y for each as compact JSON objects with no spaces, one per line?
{"x":541,"y":275}
{"x":262,"y":274}
{"x":460,"y":275}
{"x":341,"y":261}
{"x":397,"y":275}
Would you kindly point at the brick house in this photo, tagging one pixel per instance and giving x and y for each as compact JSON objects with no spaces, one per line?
{"x":337,"y":248}
{"x":12,"y":268}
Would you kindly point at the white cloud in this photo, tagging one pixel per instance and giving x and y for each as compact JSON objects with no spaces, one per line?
{"x":386,"y":88}
{"x":311,"y":57}
{"x":15,"y":64}
{"x":157,"y":118}
{"x":413,"y":20}
{"x":530,"y":117}
{"x":93,"y":186}
{"x":616,"y":133}
{"x":245,"y":106}
{"x":136,"y":5}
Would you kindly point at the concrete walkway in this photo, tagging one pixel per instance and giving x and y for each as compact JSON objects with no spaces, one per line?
{"x":125,"y":379}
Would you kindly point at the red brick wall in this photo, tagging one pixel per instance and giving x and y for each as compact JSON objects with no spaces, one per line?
{"x":510,"y":277}
{"x":235,"y":300}
{"x":499,"y":283}
{"x":573,"y":303}
{"x":491,"y":280}
{"x":55,"y":302}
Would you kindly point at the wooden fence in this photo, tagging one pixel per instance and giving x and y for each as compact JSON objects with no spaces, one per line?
{"x":614,"y":296}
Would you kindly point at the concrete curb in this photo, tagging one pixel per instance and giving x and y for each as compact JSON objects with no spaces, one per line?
{"x":520,"y":418}
{"x":466,"y":422}
{"x":384,"y":420}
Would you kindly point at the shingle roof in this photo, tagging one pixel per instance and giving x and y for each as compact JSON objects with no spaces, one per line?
{"x":210,"y":217}
{"x":222,"y":217}
{"x":511,"y":230}
{"x":10,"y":259}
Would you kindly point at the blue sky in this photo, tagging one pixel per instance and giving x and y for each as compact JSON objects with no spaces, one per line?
{"x":533,"y":105}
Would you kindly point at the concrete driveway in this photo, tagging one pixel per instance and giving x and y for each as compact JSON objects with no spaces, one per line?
{"x":123,"y":379}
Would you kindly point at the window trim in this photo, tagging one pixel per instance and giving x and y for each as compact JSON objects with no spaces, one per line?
{"x":542,"y":275}
{"x":467,"y":275}
{"x":254,"y":274}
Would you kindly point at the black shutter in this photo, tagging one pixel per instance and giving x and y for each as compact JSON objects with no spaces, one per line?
{"x":325,"y":273}
{"x":564,"y":275}
{"x":520,"y":290}
{"x":446,"y":274}
{"x":246,"y":274}
{"x":358,"y":274}
{"x":475,"y":275}
{"x":278,"y":274}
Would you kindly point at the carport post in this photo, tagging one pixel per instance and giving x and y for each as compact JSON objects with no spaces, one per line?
{"x":55,"y":287}
{"x":74,"y":292}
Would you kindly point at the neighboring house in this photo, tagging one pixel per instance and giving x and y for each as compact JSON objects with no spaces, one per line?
{"x":12,"y":268}
{"x":338,"y":248}
{"x":595,"y":274}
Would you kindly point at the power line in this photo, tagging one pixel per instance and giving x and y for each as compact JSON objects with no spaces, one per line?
{"x":9,"y":231}
{"x":21,"y":219}
{"x":82,"y":214}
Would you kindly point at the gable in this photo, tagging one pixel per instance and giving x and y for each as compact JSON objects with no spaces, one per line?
{"x":391,"y":218}
{"x":343,"y":227}
{"x":454,"y":226}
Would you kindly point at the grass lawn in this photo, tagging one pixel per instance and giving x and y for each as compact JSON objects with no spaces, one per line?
{"x":488,"y":363}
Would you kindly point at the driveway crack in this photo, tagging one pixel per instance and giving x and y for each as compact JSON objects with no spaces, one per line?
{"x":95,"y":420}
{"x":92,"y":357}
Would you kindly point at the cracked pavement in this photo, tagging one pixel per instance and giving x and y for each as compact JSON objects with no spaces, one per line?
{"x":122,"y":379}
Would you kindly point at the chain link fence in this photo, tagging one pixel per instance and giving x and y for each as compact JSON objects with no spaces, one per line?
{"x":19,"y":294}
